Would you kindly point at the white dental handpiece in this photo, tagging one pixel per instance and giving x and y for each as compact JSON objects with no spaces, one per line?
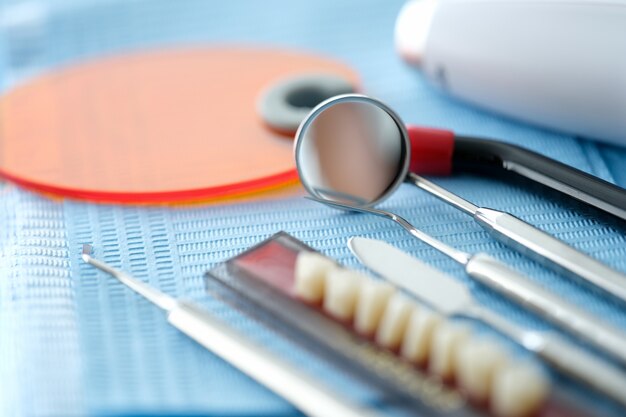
{"x":556,"y":63}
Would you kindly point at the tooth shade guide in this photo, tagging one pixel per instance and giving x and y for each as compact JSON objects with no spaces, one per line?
{"x":451,"y":352}
{"x":518,"y":390}
{"x":418,"y":336}
{"x":478,"y":361}
{"x":449,"y":349}
{"x":373,"y":298}
{"x":446,"y":340}
{"x":341,"y":293}
{"x":311,"y":319}
{"x":272,"y":262}
{"x":393,"y":322}
{"x":311,"y":270}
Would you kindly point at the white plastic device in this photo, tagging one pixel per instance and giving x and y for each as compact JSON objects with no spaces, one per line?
{"x":556,"y":63}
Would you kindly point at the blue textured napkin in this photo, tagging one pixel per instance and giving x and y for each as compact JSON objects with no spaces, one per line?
{"x":74,"y":342}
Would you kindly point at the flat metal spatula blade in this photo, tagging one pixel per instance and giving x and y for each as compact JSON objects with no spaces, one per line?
{"x":430,"y":285}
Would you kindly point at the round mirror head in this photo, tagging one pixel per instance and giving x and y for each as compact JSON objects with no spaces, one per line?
{"x":352,"y":149}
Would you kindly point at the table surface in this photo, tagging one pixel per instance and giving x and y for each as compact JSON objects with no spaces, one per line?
{"x":75,"y":343}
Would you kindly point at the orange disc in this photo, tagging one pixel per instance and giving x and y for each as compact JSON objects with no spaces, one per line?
{"x":153,"y":127}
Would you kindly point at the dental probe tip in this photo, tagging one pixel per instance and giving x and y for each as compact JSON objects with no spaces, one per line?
{"x":162,"y":300}
{"x":87,"y":250}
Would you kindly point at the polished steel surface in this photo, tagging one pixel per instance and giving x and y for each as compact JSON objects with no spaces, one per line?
{"x":551,"y":251}
{"x":457,"y":255}
{"x":442,"y":194}
{"x":352,"y":148}
{"x":549,"y":305}
{"x":355,"y":150}
{"x":300,"y":389}
{"x":520,"y":289}
{"x":450,"y":297}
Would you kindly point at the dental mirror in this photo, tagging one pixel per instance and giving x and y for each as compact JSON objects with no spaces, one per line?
{"x":352,"y":149}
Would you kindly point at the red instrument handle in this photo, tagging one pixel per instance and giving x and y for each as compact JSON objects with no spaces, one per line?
{"x":431,"y":150}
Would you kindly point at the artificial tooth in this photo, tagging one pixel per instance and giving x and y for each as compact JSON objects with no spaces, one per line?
{"x":418,"y":335}
{"x":477,"y":361}
{"x":518,"y":390}
{"x":310,"y":275}
{"x":394,"y":321}
{"x":372,"y":300}
{"x":445,"y":342}
{"x":341,"y":292}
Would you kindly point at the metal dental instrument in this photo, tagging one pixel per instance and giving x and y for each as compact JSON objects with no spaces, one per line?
{"x":355,"y":149}
{"x":533,"y":242}
{"x":450,"y":297}
{"x":284,"y":379}
{"x":518,"y":288}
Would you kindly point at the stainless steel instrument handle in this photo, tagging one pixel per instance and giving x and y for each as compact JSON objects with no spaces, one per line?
{"x":578,"y":363}
{"x":298,"y":388}
{"x":569,"y":317}
{"x":551,"y":251}
{"x":562,"y":354}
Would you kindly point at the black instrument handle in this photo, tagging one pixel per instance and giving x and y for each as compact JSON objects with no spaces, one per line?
{"x":476,"y":154}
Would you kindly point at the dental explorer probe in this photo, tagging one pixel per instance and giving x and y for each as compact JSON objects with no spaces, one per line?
{"x":301,"y":390}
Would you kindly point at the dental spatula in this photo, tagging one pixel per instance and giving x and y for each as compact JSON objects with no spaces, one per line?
{"x":518,"y":288}
{"x":300,"y":389}
{"x":445,"y":294}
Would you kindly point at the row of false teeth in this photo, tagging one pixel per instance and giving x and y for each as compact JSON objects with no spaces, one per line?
{"x":447,"y":349}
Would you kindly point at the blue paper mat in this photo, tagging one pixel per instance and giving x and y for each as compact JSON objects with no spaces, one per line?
{"x":73,"y":342}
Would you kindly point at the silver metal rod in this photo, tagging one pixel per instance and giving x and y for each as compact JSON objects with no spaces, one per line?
{"x":499,"y":323}
{"x":303,"y":391}
{"x":552,"y":252}
{"x":442,"y":193}
{"x":457,"y":255}
{"x":162,"y":300}
{"x":560,"y":353}
{"x":534,"y":243}
{"x":450,"y":297}
{"x":549,"y":305}
{"x":519,"y":288}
